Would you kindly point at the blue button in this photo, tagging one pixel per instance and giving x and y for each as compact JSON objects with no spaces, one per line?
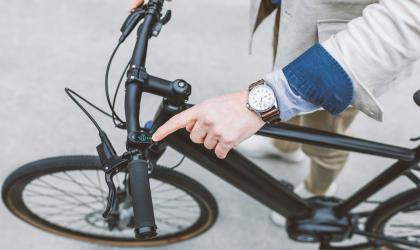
{"x":148,"y":124}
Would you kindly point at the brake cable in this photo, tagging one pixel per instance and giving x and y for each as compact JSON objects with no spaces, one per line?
{"x":72,"y":93}
{"x":114,"y":116}
{"x":178,"y":164}
{"x":117,"y":90}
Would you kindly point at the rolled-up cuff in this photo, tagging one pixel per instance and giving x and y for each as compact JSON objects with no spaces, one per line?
{"x":319,"y":79}
{"x":288,"y":103}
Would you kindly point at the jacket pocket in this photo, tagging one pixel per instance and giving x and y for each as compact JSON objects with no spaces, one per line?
{"x":328,"y":27}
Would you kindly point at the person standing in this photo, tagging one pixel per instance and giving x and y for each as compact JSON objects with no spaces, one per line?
{"x":333,"y":55}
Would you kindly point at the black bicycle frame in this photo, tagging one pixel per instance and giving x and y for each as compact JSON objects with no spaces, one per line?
{"x":252,"y":180}
{"x":237,"y":169}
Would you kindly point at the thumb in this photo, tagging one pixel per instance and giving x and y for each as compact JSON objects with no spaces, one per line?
{"x":135,"y":3}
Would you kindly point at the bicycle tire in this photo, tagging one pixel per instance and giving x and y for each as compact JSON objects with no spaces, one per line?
{"x":389,"y":209}
{"x":15,"y":183}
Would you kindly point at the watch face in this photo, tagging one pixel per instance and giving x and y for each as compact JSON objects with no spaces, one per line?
{"x":261,"y":98}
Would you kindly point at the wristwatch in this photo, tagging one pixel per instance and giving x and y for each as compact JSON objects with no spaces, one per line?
{"x":262,"y":101}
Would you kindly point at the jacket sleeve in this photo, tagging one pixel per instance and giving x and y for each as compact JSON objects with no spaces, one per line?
{"x":379,"y":45}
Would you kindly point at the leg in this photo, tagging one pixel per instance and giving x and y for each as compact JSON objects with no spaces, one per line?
{"x":288,"y":146}
{"x":326,"y":163}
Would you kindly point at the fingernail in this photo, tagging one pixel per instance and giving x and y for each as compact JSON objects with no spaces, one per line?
{"x":154,"y":138}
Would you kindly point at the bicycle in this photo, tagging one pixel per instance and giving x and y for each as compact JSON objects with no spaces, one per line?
{"x":66,"y":195}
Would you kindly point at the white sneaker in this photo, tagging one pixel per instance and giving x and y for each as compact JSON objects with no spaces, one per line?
{"x":260,"y":147}
{"x":301,"y":190}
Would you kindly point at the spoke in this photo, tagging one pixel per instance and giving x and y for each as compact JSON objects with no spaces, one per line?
{"x":95,"y":196}
{"x":47,"y":195}
{"x":65,"y":179}
{"x":98,"y":187}
{"x":406,"y":226}
{"x":70,"y":222}
{"x":59,"y":205}
{"x":176,"y":207}
{"x":165,"y":190}
{"x":178,"y":198}
{"x":69,"y":212}
{"x":49,"y":188}
{"x":77,"y":206}
{"x":66,"y":193}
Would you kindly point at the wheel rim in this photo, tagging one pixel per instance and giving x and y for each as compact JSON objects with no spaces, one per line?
{"x":74,"y":201}
{"x":404,"y":225}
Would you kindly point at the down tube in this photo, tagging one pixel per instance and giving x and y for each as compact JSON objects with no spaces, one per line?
{"x":243,"y":174}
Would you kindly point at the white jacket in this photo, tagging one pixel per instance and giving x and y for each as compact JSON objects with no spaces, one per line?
{"x":375,"y":42}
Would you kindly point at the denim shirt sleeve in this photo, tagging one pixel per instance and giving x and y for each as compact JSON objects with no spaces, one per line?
{"x":288,"y":102}
{"x":318,"y":78}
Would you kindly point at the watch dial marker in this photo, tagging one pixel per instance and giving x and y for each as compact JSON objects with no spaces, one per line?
{"x":261,"y":98}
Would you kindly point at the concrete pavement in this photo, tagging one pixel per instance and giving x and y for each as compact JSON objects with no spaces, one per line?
{"x":48,"y":45}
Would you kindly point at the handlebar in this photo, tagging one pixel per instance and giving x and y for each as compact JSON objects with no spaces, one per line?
{"x":138,"y":139}
{"x":144,"y":218}
{"x":152,"y":16}
{"x":135,"y":74}
{"x":132,"y":107}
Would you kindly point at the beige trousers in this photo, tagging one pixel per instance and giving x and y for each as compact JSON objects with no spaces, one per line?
{"x":326,"y":163}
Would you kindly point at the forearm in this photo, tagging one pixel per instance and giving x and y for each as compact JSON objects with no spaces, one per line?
{"x":377,"y":46}
{"x":313,"y":80}
{"x":367,"y":55}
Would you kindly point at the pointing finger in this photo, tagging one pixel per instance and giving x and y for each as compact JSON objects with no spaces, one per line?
{"x":179,"y":121}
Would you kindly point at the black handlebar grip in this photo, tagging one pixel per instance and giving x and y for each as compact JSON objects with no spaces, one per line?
{"x":144,"y":218}
{"x":416,"y":97}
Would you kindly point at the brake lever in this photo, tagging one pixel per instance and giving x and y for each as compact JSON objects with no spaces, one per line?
{"x":167,"y":17}
{"x":131,"y":21}
{"x":111,"y":195}
{"x":159,"y":24}
{"x":111,"y":164}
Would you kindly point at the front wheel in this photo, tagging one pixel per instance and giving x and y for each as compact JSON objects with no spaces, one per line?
{"x":66,"y":195}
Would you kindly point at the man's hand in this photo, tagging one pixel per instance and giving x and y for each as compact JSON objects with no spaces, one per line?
{"x":135,"y":3}
{"x":219,"y":123}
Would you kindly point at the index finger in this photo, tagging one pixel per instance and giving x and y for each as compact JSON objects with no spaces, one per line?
{"x":179,"y":121}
